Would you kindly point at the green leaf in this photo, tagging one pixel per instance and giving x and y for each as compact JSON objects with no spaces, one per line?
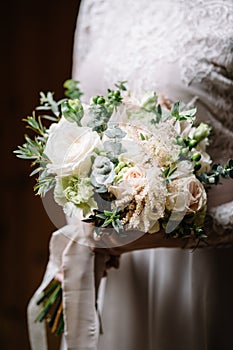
{"x":107,"y":222}
{"x":72,"y":90}
{"x":121,"y":85}
{"x":115,"y":226}
{"x":142,"y":137}
{"x":166,"y":171}
{"x":175,"y":109}
{"x":172,"y":171}
{"x":36,"y":171}
{"x":189,"y":113}
{"x":108,"y":213}
{"x":159,"y":111}
{"x":73,"y":111}
{"x":101,"y":216}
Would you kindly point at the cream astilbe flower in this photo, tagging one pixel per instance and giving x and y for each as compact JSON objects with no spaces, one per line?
{"x":163,"y":146}
{"x":156,"y":200}
{"x":142,"y":194}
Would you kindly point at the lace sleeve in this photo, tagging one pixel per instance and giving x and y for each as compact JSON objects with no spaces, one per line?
{"x":218,"y":227}
{"x":88,"y":23}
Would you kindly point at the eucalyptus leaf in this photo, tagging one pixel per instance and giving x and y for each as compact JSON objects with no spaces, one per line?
{"x":113,"y":147}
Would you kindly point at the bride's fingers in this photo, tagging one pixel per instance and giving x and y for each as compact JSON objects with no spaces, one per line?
{"x":108,"y":251}
{"x":114,"y":261}
{"x":59,"y":275}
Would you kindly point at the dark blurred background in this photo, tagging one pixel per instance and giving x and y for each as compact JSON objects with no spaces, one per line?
{"x":36,"y":55}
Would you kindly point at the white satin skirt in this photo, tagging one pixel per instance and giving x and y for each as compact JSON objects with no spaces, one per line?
{"x":168,"y":299}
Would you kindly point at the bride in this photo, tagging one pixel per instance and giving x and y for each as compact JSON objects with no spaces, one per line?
{"x":167,"y":298}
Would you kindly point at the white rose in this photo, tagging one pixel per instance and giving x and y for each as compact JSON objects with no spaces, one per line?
{"x":186,"y":195}
{"x":69,"y":148}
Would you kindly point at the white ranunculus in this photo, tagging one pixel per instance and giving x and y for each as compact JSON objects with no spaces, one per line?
{"x":69,"y":148}
{"x":186,"y":195}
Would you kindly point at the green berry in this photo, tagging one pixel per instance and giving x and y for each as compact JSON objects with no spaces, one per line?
{"x":193,"y":143}
{"x":111,"y":94}
{"x":196,"y":156}
{"x":197,"y":166}
{"x":117,"y":93}
{"x":94,"y":99}
{"x":100,"y":100}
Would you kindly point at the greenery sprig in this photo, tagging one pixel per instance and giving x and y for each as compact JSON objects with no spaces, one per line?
{"x":33,"y":148}
{"x":217,"y":172}
{"x":102,"y":108}
{"x":72,"y":90}
{"x":52,"y":307}
{"x":106,"y":219}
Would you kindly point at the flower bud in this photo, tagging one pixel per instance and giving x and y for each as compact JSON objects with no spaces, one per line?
{"x":184,"y":151}
{"x":201,"y":132}
{"x":180,"y":141}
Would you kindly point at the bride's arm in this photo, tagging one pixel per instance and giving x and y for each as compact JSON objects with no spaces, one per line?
{"x":218,"y":227}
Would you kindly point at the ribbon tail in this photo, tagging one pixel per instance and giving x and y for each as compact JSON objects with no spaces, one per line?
{"x":82,"y":272}
{"x":79,"y":298}
{"x":37,"y":330}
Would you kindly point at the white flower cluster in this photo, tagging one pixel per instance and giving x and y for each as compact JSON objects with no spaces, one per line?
{"x":151,"y":170}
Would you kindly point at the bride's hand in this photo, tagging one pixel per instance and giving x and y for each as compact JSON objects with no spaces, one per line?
{"x":217,"y":236}
{"x":146,"y":241}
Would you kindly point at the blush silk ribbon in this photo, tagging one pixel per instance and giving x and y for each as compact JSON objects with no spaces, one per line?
{"x":68,"y":249}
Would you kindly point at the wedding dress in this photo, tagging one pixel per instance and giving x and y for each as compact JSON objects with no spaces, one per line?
{"x":166,"y":298}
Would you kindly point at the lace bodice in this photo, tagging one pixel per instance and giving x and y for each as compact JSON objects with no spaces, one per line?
{"x":183,"y":49}
{"x":136,"y":34}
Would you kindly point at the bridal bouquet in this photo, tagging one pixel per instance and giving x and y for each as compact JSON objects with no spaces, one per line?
{"x":123,"y":163}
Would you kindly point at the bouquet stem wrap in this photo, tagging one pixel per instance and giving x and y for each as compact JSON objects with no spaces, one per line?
{"x":82,"y":270}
